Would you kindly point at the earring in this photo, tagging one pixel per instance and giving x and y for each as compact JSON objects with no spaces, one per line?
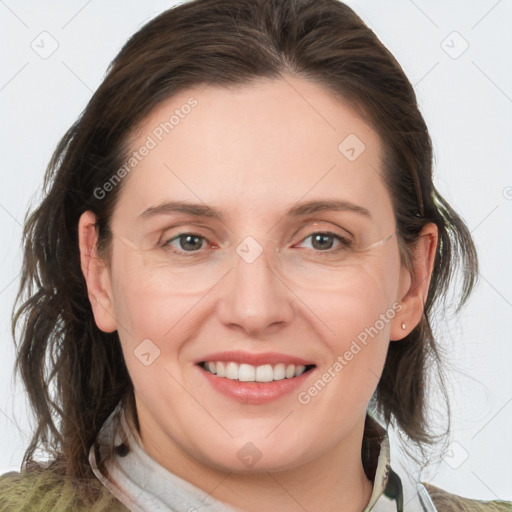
{"x":403,"y":326}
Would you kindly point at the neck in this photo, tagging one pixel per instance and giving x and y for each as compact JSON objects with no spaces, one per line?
{"x":333,"y":481}
{"x":329,"y":483}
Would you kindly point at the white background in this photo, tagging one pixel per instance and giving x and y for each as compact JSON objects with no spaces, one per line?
{"x":467,"y":104}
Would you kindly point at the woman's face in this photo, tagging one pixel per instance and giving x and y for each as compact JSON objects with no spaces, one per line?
{"x":254,"y":286}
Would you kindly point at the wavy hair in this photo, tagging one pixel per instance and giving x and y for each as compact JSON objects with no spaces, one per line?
{"x":74,"y":373}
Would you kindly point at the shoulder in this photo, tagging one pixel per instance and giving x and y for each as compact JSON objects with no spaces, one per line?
{"x":48,"y":490}
{"x":447,"y":502}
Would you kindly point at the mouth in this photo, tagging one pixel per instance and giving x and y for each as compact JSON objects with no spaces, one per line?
{"x":255,"y":378}
{"x":243,"y":372}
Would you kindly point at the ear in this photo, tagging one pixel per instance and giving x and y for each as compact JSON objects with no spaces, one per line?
{"x":96,"y":273}
{"x":414,"y":283}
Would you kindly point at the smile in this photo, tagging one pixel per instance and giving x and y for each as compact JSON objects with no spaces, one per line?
{"x":249,"y":373}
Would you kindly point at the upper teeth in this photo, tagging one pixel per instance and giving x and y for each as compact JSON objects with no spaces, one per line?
{"x":249,"y":373}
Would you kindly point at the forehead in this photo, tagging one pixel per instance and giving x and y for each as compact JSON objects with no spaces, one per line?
{"x":266,"y":145}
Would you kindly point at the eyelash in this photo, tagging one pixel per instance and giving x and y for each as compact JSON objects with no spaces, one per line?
{"x":345,"y":243}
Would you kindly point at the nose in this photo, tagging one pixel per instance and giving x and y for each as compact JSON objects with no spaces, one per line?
{"x":255,"y":298}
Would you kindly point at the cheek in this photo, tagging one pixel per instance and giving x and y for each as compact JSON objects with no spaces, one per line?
{"x":148,"y":312}
{"x":359,"y":316}
{"x":145,"y":298}
{"x":152,"y":332}
{"x":364,"y":295}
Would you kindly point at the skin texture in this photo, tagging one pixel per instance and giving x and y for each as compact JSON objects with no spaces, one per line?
{"x":253,"y":153}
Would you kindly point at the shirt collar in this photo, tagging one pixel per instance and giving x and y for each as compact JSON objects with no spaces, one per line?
{"x":391,"y":493}
{"x":142,"y":485}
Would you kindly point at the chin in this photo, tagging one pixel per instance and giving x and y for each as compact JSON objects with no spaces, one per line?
{"x":247,"y":457}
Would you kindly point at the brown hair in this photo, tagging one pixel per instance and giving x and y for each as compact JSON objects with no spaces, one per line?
{"x":223,"y":43}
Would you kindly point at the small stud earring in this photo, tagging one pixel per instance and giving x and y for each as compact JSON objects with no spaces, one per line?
{"x":403,"y":326}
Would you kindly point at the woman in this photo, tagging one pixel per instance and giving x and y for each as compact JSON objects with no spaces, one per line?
{"x":233,"y":271}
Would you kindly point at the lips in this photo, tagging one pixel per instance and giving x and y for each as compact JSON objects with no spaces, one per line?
{"x":254,"y":358}
{"x":253,"y":378}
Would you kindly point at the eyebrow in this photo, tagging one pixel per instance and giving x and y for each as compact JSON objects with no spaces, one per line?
{"x":202,"y":210}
